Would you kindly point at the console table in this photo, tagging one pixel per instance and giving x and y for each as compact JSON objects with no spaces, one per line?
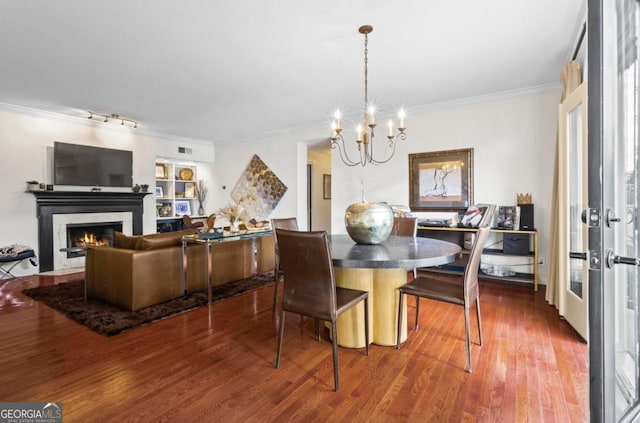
{"x":456,"y":235}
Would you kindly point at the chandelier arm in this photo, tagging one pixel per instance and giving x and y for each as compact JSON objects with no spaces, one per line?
{"x":343,"y":151}
{"x":394,"y":141}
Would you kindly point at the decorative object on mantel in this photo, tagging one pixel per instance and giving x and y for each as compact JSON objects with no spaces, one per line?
{"x":201,"y":193}
{"x":234,"y":213}
{"x":258,"y":190}
{"x":113,"y":116}
{"x":144,"y":187}
{"x":135,"y":188}
{"x":368,"y":223}
{"x":33,"y":186}
{"x":365,"y":130}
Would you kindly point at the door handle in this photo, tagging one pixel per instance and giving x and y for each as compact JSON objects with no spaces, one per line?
{"x":611,"y":218}
{"x":613,"y":259}
{"x":574,"y":255}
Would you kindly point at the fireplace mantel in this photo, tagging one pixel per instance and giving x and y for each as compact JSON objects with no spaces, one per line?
{"x":49,"y":203}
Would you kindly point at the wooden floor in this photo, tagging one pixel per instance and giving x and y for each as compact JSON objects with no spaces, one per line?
{"x":200,"y":368}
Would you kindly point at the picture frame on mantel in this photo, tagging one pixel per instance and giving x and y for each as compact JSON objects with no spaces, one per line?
{"x":441,"y":180}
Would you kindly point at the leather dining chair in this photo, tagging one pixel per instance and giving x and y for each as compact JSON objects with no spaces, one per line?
{"x":290,"y":223}
{"x":310,"y":288}
{"x":463,"y":294}
{"x":406,"y":226}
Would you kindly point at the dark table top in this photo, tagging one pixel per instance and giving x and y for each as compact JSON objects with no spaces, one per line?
{"x":402,"y":252}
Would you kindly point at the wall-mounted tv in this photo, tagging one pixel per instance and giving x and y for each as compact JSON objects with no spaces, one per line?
{"x":91,"y":166}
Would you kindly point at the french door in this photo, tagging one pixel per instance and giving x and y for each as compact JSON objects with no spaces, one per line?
{"x":614,"y":182}
{"x":573,"y":168}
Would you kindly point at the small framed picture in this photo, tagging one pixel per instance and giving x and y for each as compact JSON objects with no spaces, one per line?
{"x":189,"y":190}
{"x":326,"y":187}
{"x":161,"y":171}
{"x":183,"y":207}
{"x":159,"y":192}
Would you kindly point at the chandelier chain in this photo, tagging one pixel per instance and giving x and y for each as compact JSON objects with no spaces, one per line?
{"x":366,"y":71}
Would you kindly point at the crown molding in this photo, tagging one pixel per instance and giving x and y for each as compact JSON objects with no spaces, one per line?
{"x":82,"y":120}
{"x":556,"y":86}
{"x":306,"y":131}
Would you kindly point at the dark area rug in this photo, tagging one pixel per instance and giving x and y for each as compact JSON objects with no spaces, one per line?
{"x":108,"y":320}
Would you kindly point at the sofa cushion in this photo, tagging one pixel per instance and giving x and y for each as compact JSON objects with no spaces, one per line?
{"x":121,"y":240}
{"x":162,"y":240}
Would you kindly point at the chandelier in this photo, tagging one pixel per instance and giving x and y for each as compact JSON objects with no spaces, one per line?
{"x":365,"y":130}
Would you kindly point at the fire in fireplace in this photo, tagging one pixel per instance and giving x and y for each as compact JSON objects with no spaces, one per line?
{"x":81,"y":235}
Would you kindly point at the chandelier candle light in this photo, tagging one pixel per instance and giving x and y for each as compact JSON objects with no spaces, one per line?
{"x":365,"y":131}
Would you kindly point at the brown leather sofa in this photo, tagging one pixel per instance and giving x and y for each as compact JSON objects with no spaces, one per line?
{"x":144,"y":270}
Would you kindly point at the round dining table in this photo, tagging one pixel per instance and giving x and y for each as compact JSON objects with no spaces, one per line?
{"x":380,"y":270}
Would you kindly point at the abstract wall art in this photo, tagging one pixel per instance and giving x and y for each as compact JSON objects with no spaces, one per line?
{"x":258,"y":190}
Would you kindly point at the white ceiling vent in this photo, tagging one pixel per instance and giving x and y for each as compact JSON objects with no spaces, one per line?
{"x":184,"y":150}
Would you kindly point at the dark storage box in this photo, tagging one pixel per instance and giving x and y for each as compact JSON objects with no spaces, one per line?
{"x":515,"y":244}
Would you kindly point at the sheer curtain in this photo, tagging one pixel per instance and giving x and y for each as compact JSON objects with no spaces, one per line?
{"x":571,"y":78}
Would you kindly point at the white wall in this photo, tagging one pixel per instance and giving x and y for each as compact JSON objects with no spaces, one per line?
{"x":514,"y":146}
{"x":285,"y":156}
{"x":27,"y":137}
{"x":513,"y":139}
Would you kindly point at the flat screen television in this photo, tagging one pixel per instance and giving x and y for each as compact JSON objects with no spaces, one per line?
{"x":91,"y":166}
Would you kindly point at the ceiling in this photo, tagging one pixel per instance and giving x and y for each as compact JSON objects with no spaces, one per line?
{"x":228,"y":71}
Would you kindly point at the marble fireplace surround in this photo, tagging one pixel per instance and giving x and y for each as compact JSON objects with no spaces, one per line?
{"x":50,"y":203}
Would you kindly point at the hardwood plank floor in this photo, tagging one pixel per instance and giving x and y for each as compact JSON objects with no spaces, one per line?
{"x":197,"y":367}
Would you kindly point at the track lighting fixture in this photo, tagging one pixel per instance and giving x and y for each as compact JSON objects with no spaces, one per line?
{"x":105,"y":118}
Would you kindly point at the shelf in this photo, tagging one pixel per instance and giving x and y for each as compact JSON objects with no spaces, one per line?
{"x":465,"y":229}
{"x":174,"y":187}
{"x":527,"y":278}
{"x":497,"y":252}
{"x":459,"y":235}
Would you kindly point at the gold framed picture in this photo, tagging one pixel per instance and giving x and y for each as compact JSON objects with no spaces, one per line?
{"x":189,"y":190}
{"x":441,"y":180}
{"x":161,"y":171}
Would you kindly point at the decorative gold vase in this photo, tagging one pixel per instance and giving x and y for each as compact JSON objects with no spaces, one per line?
{"x":369,"y":223}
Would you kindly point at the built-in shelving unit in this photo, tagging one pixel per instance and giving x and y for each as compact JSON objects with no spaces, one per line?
{"x":460,"y":236}
{"x":175,"y":190}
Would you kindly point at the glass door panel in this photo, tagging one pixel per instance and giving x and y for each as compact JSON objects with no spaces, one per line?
{"x":573,"y":177}
{"x":577,"y":238}
{"x":626,"y":205}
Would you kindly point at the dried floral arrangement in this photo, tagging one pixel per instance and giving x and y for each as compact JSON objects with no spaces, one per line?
{"x":232,"y":212}
{"x":201,"y":191}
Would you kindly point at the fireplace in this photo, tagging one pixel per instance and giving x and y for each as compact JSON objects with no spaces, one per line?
{"x":57,"y":209}
{"x":82,"y":235}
